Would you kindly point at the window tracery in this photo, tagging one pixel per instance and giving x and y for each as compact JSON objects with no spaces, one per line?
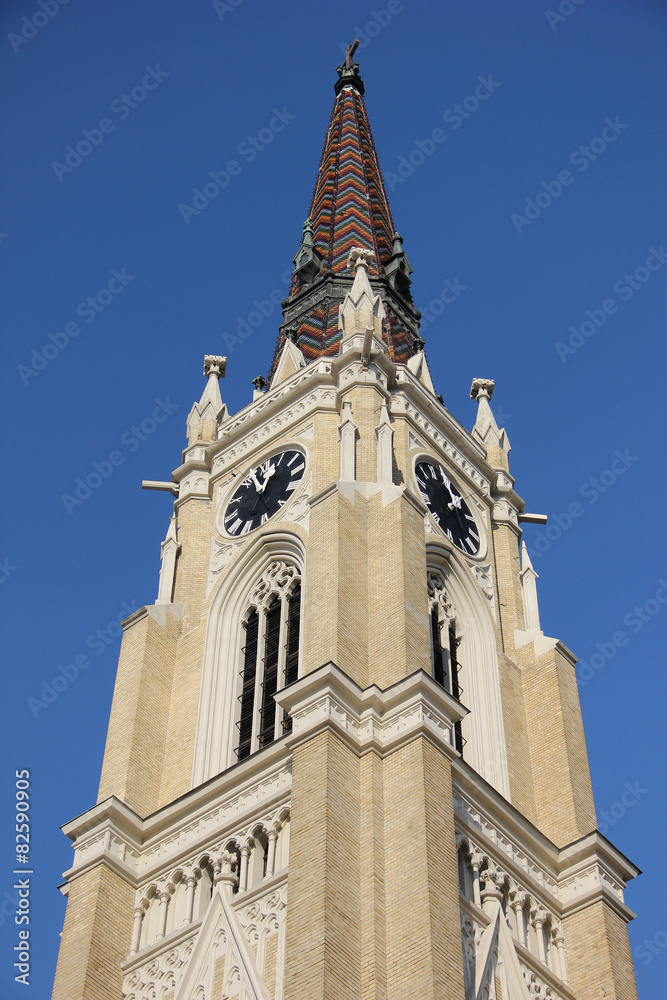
{"x":270,"y":656}
{"x":445,"y":641}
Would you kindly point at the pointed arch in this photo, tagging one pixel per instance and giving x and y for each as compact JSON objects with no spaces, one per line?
{"x":476,"y":666}
{"x":225,"y":647}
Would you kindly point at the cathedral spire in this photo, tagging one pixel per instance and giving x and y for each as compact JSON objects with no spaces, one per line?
{"x":349,"y":208}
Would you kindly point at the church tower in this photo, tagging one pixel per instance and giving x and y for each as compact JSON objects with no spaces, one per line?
{"x":344,"y":762}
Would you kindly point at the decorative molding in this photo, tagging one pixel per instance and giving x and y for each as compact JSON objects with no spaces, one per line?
{"x":298,"y":509}
{"x":484,"y":577}
{"x":371,"y":718}
{"x":220,"y":555}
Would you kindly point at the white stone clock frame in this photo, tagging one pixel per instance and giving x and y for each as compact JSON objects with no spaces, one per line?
{"x":231,"y":488}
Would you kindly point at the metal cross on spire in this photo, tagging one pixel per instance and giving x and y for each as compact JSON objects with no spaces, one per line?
{"x":349,"y":53}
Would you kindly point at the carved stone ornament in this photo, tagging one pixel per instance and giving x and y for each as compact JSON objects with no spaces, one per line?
{"x":221,"y":553}
{"x":277,"y":579}
{"x":298,"y":510}
{"x":484,"y":579}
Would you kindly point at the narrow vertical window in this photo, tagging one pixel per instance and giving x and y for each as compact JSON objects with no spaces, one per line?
{"x":247,"y":697}
{"x":437,"y":650}
{"x":292,"y":651}
{"x":270,"y":681}
{"x":454,"y":642}
{"x":444,"y":645}
{"x":270,"y":657}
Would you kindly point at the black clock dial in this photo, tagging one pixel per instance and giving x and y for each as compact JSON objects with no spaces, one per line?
{"x":447,"y":506}
{"x":264,"y":491}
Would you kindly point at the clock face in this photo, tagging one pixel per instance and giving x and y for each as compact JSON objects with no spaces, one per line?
{"x":447,"y":507}
{"x":264,"y":491}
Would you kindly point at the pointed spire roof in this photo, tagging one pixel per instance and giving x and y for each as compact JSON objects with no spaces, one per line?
{"x":349,"y":208}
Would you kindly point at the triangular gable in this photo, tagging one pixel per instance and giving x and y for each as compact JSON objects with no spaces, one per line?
{"x":418,"y":365}
{"x":497,"y":947}
{"x":291,"y":360}
{"x":221,"y":957}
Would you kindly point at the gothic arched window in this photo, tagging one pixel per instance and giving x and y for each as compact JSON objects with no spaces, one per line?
{"x":270,"y":657}
{"x":445,"y":640}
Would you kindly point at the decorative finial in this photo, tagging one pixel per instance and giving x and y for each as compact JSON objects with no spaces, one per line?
{"x":214,"y":366}
{"x":481,"y":388}
{"x":348,"y":73}
{"x":418,"y":343}
{"x":259,"y":383}
{"x":291,"y":333}
{"x":360,"y":257}
{"x":308,"y":262}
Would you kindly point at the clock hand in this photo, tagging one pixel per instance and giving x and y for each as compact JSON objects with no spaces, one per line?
{"x":269,"y":472}
{"x":254,"y":479}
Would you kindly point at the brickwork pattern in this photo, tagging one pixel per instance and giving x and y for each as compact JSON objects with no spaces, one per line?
{"x":561,"y":778}
{"x":323,"y":918}
{"x":398,"y":630}
{"x":134,"y":751}
{"x":423,"y":928}
{"x":516,"y":738}
{"x":372,"y":880}
{"x":95,"y":938}
{"x":507,"y":563}
{"x":598,"y":955}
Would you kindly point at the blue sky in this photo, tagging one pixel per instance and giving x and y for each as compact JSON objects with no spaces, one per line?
{"x":544,"y":207}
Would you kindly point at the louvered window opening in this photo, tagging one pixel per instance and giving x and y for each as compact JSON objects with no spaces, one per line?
{"x":270,"y":662}
{"x":446,"y":665}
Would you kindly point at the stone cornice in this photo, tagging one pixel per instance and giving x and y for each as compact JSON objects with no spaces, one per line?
{"x":370,"y":719}
{"x":577,"y":875}
{"x":443,"y":419}
{"x":113,"y":834}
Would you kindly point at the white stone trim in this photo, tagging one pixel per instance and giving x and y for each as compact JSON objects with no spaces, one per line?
{"x":370,"y":719}
{"x":216,"y":725}
{"x":484,"y":728}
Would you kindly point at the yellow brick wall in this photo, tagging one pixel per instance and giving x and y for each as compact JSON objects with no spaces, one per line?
{"x":562,"y":785}
{"x":599,"y":960}
{"x":372,"y":880}
{"x":323,"y":921}
{"x":398,"y":623}
{"x":516,"y":737}
{"x":96,"y":937}
{"x":421,"y":883}
{"x":505,"y":543}
{"x":133,"y":758}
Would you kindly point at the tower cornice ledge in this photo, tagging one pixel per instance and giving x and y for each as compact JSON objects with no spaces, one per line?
{"x":372,"y":718}
{"x":577,"y":875}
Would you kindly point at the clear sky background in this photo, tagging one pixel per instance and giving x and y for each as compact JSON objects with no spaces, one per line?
{"x":70,"y":571}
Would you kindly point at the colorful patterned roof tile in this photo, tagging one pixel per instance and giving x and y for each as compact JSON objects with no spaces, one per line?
{"x":349,"y":208}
